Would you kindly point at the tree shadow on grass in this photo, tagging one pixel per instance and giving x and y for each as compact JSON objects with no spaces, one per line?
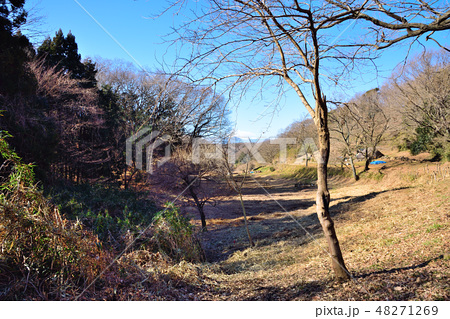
{"x":304,"y":291}
{"x":222,"y":242}
{"x":341,"y":207}
{"x":394,"y":270}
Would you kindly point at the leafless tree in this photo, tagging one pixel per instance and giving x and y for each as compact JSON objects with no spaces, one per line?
{"x":346,"y":130}
{"x":305,"y":133}
{"x":367,"y":113}
{"x":421,"y":91}
{"x":236,"y":183}
{"x":75,"y":111}
{"x":165,"y":104}
{"x":197,"y":180}
{"x":276,"y":42}
{"x":390,"y":22}
{"x":373,"y":123}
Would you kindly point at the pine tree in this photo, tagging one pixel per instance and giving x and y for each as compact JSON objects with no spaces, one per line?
{"x":15,"y":49}
{"x":62,"y":52}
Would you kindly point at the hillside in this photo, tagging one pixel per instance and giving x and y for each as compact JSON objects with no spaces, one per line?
{"x":394,"y":232}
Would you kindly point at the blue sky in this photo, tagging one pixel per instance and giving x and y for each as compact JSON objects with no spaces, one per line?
{"x":129,"y":34}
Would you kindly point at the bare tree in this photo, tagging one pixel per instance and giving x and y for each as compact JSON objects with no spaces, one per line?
{"x":164,"y":104}
{"x":236,"y":183}
{"x":197,"y":180}
{"x":289,"y":42}
{"x":367,"y":113}
{"x":347,"y":132}
{"x":372,"y":121}
{"x":78,"y":119}
{"x":390,"y":22}
{"x":305,"y":134}
{"x":421,"y":90}
{"x":168,"y":104}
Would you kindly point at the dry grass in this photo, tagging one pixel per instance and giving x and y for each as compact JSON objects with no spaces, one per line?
{"x":394,"y":234}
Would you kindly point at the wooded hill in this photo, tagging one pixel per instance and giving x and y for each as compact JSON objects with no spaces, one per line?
{"x":81,"y":220}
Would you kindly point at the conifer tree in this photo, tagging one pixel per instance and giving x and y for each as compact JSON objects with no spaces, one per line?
{"x":15,"y":49}
{"x":62,"y":51}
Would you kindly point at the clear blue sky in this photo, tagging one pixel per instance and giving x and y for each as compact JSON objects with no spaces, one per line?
{"x":128,"y":22}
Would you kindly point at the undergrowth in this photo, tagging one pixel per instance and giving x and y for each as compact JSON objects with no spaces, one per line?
{"x":43,"y":256}
{"x":309,"y":174}
{"x":375,"y":175}
{"x":110,"y":212}
{"x":175,"y":237}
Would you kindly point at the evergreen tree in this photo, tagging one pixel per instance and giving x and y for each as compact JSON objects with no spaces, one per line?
{"x":15,"y":49}
{"x":62,"y":52}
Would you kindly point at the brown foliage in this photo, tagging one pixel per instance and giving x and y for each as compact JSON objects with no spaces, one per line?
{"x":43,"y":255}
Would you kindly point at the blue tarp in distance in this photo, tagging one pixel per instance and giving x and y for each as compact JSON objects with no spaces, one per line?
{"x":377,"y":162}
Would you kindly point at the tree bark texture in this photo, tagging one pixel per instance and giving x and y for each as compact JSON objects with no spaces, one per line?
{"x":323,"y":194}
{"x":355,"y":176}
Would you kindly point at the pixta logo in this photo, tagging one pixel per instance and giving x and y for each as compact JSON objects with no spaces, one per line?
{"x":141,"y":146}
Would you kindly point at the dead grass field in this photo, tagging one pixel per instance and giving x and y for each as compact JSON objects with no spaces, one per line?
{"x":393,"y":226}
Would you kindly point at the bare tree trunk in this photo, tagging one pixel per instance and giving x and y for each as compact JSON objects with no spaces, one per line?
{"x":202,"y":217}
{"x":245,"y":220}
{"x":323,"y":194}
{"x":366,"y":164}
{"x":369,"y":159}
{"x":355,"y":176}
{"x":125,"y":181}
{"x":199,"y":207}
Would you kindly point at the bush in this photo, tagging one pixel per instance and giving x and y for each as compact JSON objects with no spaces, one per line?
{"x":425,"y":140}
{"x":42,"y":255}
{"x":110,"y":212}
{"x":174,"y":236}
{"x":266,"y":169}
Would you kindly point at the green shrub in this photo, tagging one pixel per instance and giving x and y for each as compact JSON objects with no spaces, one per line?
{"x":174,"y":236}
{"x":426,"y":140}
{"x":16,"y":172}
{"x":266,"y":169}
{"x":42,"y":255}
{"x":110,"y":212}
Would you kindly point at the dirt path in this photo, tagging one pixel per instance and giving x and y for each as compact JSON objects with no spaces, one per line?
{"x":275,"y":209}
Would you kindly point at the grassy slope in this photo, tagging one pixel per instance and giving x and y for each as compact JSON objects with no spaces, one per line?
{"x":394,"y":233}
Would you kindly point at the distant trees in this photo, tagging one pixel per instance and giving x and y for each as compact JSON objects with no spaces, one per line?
{"x":411,"y":111}
{"x":346,"y":132}
{"x":367,"y":111}
{"x":73,"y":121}
{"x":165,"y":105}
{"x":305,"y":134}
{"x":361,"y":125}
{"x":421,"y":93}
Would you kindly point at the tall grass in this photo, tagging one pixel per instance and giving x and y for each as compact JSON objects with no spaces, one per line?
{"x":110,"y":212}
{"x":175,"y":237}
{"x":42,"y":255}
